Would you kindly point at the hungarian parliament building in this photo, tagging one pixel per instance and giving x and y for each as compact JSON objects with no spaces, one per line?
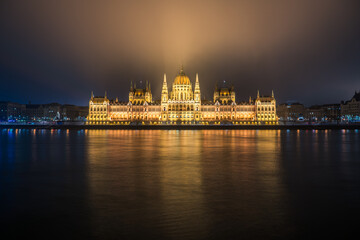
{"x":182,"y":105}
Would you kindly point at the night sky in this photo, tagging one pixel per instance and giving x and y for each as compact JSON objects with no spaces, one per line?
{"x":59,"y":51}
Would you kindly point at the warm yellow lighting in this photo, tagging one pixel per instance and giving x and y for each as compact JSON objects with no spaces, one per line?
{"x":182,"y":105}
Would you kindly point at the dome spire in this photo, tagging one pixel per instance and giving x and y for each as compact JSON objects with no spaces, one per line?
{"x":182,"y":70}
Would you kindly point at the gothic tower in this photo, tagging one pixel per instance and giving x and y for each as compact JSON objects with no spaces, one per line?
{"x":197,"y":98}
{"x":164,"y":100}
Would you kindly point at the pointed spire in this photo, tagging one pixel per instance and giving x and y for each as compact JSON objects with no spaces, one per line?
{"x":164,"y":92}
{"x":197,"y":94}
{"x":182,"y":70}
{"x":165,"y":87}
{"x":197,"y":85}
{"x":250,"y":99}
{"x":92,"y":94}
{"x":117,"y":99}
{"x":105,"y":94}
{"x":258,"y":94}
{"x":131,"y":86}
{"x":272,"y":93}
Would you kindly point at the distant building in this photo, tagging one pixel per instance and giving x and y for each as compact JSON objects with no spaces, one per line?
{"x":74,"y":113}
{"x":3,"y":112}
{"x":323,"y":113}
{"x":350,"y":110}
{"x":291,"y":111}
{"x":15,"y":112}
{"x":52,"y":111}
{"x":332,"y":112}
{"x":315,"y":113}
{"x":10,"y":111}
{"x":34,"y":112}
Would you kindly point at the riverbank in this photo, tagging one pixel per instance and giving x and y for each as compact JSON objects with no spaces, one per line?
{"x":186,"y":127}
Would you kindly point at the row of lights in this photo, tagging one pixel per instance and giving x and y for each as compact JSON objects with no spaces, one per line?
{"x":182,"y":122}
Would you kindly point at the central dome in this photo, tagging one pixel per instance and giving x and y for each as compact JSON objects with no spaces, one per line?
{"x":182,"y":79}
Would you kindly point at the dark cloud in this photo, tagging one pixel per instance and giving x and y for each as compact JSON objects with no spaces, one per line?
{"x":61,"y":50}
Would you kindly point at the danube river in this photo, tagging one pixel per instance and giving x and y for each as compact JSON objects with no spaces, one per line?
{"x":169,"y":184}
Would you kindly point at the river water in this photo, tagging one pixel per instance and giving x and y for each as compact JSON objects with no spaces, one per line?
{"x":188,"y":184}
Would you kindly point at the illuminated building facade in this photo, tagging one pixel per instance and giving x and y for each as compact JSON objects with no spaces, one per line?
{"x":182,"y":105}
{"x":350,"y":110}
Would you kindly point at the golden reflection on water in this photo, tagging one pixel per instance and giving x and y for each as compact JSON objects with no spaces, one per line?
{"x":181,"y":168}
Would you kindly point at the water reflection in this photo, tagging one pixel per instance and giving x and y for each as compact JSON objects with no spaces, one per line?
{"x":185,"y":181}
{"x":209,"y":184}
